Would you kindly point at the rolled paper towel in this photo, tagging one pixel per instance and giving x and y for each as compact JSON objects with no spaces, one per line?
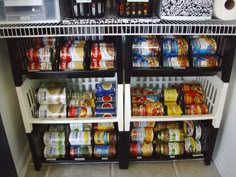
{"x":225,"y":9}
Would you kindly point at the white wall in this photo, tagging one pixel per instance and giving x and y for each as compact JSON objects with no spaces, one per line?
{"x":11,"y":115}
{"x":225,"y":149}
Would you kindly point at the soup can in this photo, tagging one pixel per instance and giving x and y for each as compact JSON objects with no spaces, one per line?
{"x":81,"y":151}
{"x":196,"y":109}
{"x":142,"y":135}
{"x":145,"y":124}
{"x":80,"y":112}
{"x":54,"y":151}
{"x":39,"y":55}
{"x":80,"y":127}
{"x":104,"y":151}
{"x":33,"y":66}
{"x":106,"y":98}
{"x":52,"y":111}
{"x":203,"y":46}
{"x":105,"y":89}
{"x":104,"y":126}
{"x":54,"y":138}
{"x":104,"y":137}
{"x":80,"y":138}
{"x":175,"y":47}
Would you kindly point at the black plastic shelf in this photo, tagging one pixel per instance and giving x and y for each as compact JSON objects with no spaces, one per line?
{"x":140,"y":72}
{"x":70,"y":74}
{"x":70,"y":161}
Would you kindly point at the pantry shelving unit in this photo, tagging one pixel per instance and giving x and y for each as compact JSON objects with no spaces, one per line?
{"x":122,"y":30}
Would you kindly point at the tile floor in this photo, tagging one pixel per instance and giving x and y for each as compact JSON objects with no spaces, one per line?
{"x":195,"y":168}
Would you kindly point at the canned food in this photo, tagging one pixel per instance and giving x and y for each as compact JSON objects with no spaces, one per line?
{"x":174,"y":110}
{"x":73,"y":65}
{"x":175,"y":47}
{"x":73,"y":53}
{"x":145,"y":91}
{"x":80,"y":112}
{"x":106,"y":98}
{"x":105,"y":106}
{"x":166,"y":125}
{"x":143,"y":124}
{"x":105,"y":89}
{"x":145,"y":98}
{"x":196,"y":109}
{"x":52,"y":111}
{"x":207,"y":61}
{"x":52,"y":94}
{"x":104,"y":151}
{"x":105,"y":115}
{"x":198,"y":131}
{"x":170,"y":95}
{"x":45,"y":41}
{"x":104,"y":126}
{"x":139,"y":149}
{"x":148,"y":109}
{"x":82,"y":95}
{"x":191,"y":87}
{"x":81,"y":151}
{"x":203,"y":46}
{"x":145,"y":61}
{"x":142,"y":135}
{"x":81,"y":103}
{"x":56,"y":128}
{"x":176,"y":62}
{"x":54,"y":151}
{"x":54,"y":138}
{"x":104,"y":53}
{"x":192,"y":146}
{"x":39,"y":55}
{"x":188,"y":127}
{"x":171,"y":135}
{"x":104,"y":137}
{"x":80,"y":138}
{"x":193,"y":97}
{"x":33,"y":66}
{"x":109,"y":64}
{"x":146,"y":46}
{"x":169,"y":149}
{"x":81,"y":127}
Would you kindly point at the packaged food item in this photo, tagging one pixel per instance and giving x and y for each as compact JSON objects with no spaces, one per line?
{"x":191,"y":87}
{"x":104,"y":53}
{"x":145,"y":91}
{"x":104,"y":137}
{"x":196,"y":109}
{"x":81,"y":103}
{"x":105,"y":105}
{"x":106,"y":98}
{"x":54,"y":138}
{"x":145,"y":98}
{"x":192,"y":146}
{"x":82,"y":151}
{"x":43,"y":66}
{"x":148,"y":109}
{"x":109,"y":64}
{"x":72,"y":53}
{"x":80,"y":112}
{"x":166,"y":125}
{"x":145,"y":61}
{"x":80,"y":127}
{"x":82,"y":95}
{"x":104,"y":126}
{"x":105,"y":112}
{"x":170,"y":95}
{"x":54,"y":93}
{"x":170,"y":149}
{"x":188,"y":127}
{"x":57,"y":128}
{"x":203,"y":46}
{"x":176,"y":62}
{"x":72,"y":65}
{"x":39,"y":55}
{"x":44,"y":41}
{"x":142,"y":135}
{"x":193,"y":97}
{"x":105,"y":89}
{"x":130,"y":9}
{"x":198,"y":131}
{"x":141,"y":149}
{"x":174,"y":110}
{"x":175,"y":47}
{"x":52,"y":111}
{"x":146,"y":46}
{"x":54,"y":151}
{"x":205,"y":61}
{"x":150,"y":124}
{"x":80,"y":138}
{"x":171,"y":135}
{"x":104,"y":151}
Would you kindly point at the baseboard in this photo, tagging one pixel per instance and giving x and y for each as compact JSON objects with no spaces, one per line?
{"x":222,"y":167}
{"x":23,"y":162}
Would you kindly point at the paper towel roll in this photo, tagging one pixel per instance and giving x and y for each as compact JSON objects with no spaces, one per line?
{"x":225,"y":9}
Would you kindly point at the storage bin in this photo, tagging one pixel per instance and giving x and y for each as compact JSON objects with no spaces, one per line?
{"x":32,"y":11}
{"x":126,"y":8}
{"x":185,"y":10}
{"x":92,"y":9}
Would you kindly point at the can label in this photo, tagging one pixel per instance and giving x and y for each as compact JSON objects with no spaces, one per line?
{"x":135,"y":149}
{"x":143,"y":124}
{"x":56,"y":128}
{"x":32,"y":66}
{"x":175,"y":47}
{"x":39,"y":55}
{"x":147,"y":109}
{"x":105,"y":115}
{"x":198,"y":132}
{"x":80,"y":138}
{"x":198,"y":146}
{"x":174,"y":148}
{"x":109,"y":64}
{"x":81,"y":127}
{"x":176,"y":62}
{"x":76,"y":65}
{"x":203,"y":46}
{"x":105,"y":106}
{"x":82,"y":95}
{"x":106,"y":98}
{"x":145,"y":61}
{"x":191,"y":87}
{"x":207,"y":61}
{"x":174,"y":109}
{"x":145,"y":91}
{"x":54,"y":151}
{"x":45,"y":41}
{"x":65,"y":55}
{"x":101,"y":137}
{"x":170,"y":95}
{"x":81,"y":103}
{"x":193,"y":97}
{"x":105,"y":89}
{"x":54,"y":138}
{"x":52,"y":111}
{"x":80,"y":112}
{"x":174,"y":135}
{"x":142,"y":135}
{"x":166,"y":125}
{"x":188,"y":127}
{"x":101,"y":151}
{"x":144,"y":98}
{"x":104,"y":126}
{"x":147,"y":150}
{"x":102,"y":53}
{"x":196,"y":109}
{"x":81,"y":151}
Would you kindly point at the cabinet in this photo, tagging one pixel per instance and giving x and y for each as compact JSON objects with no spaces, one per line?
{"x":122,"y":32}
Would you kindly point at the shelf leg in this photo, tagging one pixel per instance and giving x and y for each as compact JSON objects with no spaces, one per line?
{"x":124,"y":150}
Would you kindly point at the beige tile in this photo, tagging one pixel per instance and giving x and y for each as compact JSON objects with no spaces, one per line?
{"x":80,"y":170}
{"x":147,"y":169}
{"x":195,"y":168}
{"x":31,"y":172}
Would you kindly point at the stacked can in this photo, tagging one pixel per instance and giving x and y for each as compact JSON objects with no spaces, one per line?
{"x":81,"y":104}
{"x":72,"y":55}
{"x":102,"y":56}
{"x":145,"y":52}
{"x":175,"y":50}
{"x":141,"y":139}
{"x":42,"y":56}
{"x":54,"y":140}
{"x":105,"y":102}
{"x":80,"y":140}
{"x":193,"y":98}
{"x":52,"y":100}
{"x":146,"y":102}
{"x":203,"y":51}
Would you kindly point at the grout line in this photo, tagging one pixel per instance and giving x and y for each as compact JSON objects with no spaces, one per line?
{"x":48,"y":170}
{"x":111,"y":170}
{"x":175,"y":169}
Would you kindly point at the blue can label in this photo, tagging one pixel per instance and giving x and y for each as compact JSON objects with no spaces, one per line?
{"x":142,"y":61}
{"x":105,"y":89}
{"x":105,"y":115}
{"x":101,"y":151}
{"x":175,"y":47}
{"x":106,"y":98}
{"x":105,"y":105}
{"x":203,"y":46}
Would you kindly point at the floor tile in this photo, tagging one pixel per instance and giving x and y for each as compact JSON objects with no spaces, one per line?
{"x":80,"y":170}
{"x":195,"y":168}
{"x":31,"y":172}
{"x":147,"y":169}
